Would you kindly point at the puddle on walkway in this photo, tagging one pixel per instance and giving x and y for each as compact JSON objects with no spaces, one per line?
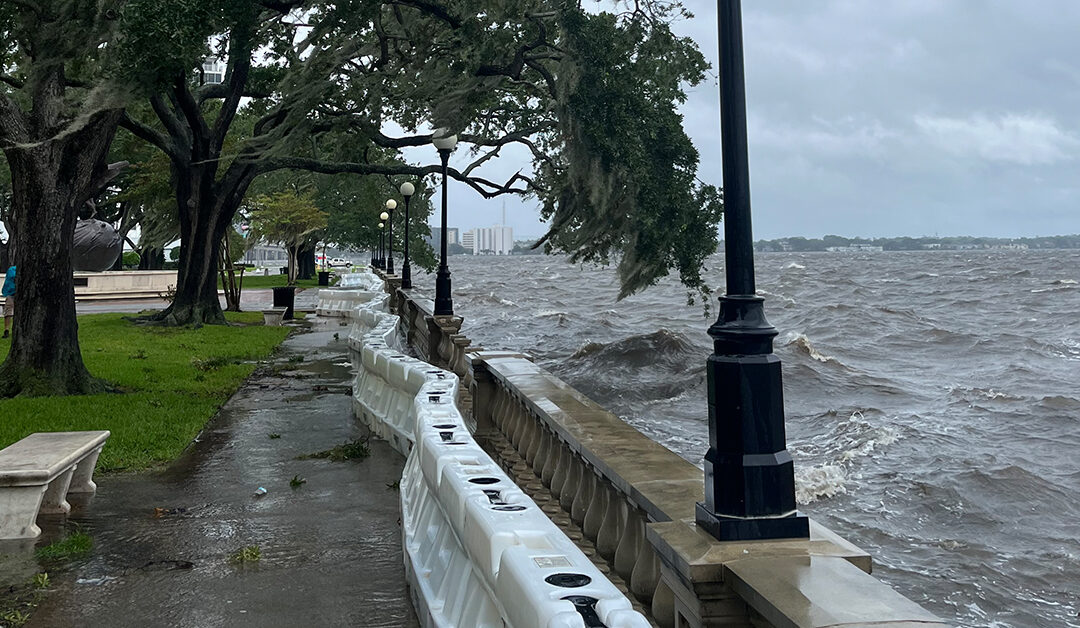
{"x":330,"y":550}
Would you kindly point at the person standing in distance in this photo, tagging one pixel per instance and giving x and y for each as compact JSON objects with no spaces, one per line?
{"x":8,"y":292}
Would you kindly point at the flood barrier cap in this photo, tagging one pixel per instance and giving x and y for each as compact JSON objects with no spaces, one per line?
{"x":568,"y":580}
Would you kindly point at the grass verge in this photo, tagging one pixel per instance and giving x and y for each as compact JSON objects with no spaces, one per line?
{"x":172,"y":380}
{"x":274,"y":281}
{"x":71,"y":547}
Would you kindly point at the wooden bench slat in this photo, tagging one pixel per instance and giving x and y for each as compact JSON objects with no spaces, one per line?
{"x":40,"y":457}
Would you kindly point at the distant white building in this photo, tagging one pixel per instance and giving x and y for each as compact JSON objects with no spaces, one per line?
{"x":855,"y":248}
{"x":213,"y":71}
{"x":468,"y":239}
{"x":497,"y":240}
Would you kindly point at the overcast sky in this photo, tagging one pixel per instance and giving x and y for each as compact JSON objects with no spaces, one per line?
{"x":886,"y":118}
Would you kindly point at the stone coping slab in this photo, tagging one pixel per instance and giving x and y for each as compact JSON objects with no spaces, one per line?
{"x":698,"y":557}
{"x":426,"y":306}
{"x":822,"y":592}
{"x":820,"y":582}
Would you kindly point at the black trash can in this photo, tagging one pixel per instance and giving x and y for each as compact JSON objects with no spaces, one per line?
{"x":284,"y":297}
{"x":324,"y":278}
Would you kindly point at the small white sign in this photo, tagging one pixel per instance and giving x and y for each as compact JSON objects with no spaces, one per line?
{"x":548,"y":562}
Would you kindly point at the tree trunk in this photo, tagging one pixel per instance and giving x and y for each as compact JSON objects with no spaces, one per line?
{"x":231,"y":283}
{"x":51,"y":179}
{"x":204,"y":216}
{"x":151,"y":258}
{"x":196,"y":301}
{"x":306,"y":260}
{"x":292,"y":250}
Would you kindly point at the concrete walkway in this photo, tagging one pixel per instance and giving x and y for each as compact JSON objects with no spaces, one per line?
{"x":330,"y":549}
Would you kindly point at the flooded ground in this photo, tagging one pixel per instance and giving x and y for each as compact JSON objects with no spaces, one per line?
{"x":329,"y":549}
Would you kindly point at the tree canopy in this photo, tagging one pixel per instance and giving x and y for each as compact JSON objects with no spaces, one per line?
{"x":347,"y":88}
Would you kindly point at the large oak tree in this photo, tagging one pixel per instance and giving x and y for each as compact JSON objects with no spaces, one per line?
{"x":56,"y":124}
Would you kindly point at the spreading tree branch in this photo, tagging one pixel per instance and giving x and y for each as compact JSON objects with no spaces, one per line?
{"x":485,"y":187}
{"x":149,"y":134}
{"x":12,"y":81}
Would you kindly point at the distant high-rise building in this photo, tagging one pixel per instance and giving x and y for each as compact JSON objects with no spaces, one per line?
{"x":497,"y":240}
{"x":468,"y":239}
{"x":452,"y":237}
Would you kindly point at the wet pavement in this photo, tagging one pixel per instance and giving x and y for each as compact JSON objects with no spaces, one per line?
{"x":250,"y":301}
{"x":330,"y":550}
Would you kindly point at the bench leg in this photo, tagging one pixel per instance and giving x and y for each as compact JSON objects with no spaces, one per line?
{"x":83,"y":480}
{"x":18,"y":511}
{"x":55,"y":500}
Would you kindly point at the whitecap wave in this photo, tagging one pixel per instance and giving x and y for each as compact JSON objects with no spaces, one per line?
{"x":822,"y":481}
{"x":803,"y":344}
{"x":841,"y":447}
{"x":786,"y":300}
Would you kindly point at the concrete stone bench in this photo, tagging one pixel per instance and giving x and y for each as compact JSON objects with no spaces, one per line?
{"x":272,"y":317}
{"x":37,"y":474}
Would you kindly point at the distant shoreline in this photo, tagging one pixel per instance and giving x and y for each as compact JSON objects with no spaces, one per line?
{"x":838,"y":244}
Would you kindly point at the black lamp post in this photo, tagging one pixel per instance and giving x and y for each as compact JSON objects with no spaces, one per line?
{"x":382,"y":239}
{"x":389,"y":213}
{"x":407,"y":190}
{"x":445,"y":142}
{"x":387,"y":262}
{"x":749,"y":474}
{"x":375,"y":251}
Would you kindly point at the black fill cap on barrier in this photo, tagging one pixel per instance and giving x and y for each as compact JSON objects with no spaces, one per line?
{"x":568,"y":580}
{"x":586,"y":607}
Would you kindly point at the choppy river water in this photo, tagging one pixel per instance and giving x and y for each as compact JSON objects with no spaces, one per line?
{"x":932,"y":401}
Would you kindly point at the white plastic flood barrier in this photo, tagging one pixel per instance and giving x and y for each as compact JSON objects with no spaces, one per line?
{"x":341,"y":303}
{"x":365,"y":280}
{"x":478,"y":551}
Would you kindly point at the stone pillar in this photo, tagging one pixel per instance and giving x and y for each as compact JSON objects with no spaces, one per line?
{"x":442,"y":328}
{"x":393,"y":286}
{"x":484,"y":389}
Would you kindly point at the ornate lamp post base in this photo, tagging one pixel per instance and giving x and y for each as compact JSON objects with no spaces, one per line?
{"x":749,"y":474}
{"x":752,"y":529}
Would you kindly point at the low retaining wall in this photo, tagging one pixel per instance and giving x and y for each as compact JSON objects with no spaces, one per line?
{"x":127,"y":284}
{"x":630,"y":501}
{"x":478,"y":550}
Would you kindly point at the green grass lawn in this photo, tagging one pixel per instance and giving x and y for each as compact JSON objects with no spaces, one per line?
{"x":275,"y":281}
{"x":170,"y":381}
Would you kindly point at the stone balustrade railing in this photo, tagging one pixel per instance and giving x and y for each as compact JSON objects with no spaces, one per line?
{"x":629,"y":503}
